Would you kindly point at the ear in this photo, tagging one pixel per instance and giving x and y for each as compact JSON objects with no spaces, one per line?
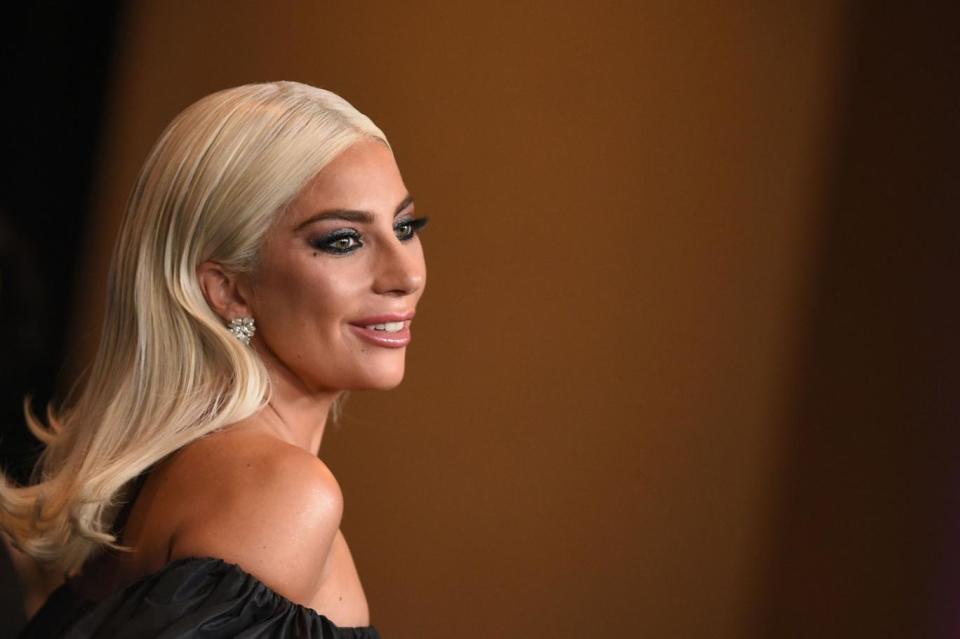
{"x":223,"y":291}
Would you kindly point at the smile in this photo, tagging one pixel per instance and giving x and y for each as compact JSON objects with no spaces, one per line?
{"x":387,"y":331}
{"x":389,"y":327}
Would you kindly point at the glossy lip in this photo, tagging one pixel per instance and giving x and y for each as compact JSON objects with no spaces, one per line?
{"x":383,"y":319}
{"x":398,"y":339}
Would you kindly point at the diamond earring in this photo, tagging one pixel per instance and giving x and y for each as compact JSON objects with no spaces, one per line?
{"x":243,"y":329}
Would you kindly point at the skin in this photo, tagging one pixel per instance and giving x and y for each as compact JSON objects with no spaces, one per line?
{"x":256,"y":494}
{"x":285,"y":528}
{"x":304,"y":299}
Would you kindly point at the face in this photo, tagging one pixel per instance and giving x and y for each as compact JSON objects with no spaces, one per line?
{"x":340,"y":276}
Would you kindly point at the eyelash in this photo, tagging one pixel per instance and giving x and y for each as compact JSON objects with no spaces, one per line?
{"x":326,"y":243}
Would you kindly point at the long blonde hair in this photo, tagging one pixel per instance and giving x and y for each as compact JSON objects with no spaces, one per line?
{"x":167,"y":370}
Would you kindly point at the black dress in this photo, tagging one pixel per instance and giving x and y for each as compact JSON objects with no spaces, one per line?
{"x":194,"y":597}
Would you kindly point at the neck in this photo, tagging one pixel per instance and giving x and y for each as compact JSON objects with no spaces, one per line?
{"x":295,"y":413}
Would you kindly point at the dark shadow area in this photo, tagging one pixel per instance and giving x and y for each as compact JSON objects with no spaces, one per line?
{"x":862,"y":541}
{"x":56,"y":65}
{"x":11,"y":601}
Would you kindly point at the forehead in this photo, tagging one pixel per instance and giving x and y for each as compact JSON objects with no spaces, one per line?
{"x":365,"y":177}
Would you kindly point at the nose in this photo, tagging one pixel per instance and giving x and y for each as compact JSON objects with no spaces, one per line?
{"x":400,"y":269}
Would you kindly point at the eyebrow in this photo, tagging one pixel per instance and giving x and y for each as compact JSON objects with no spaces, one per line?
{"x":353,"y":215}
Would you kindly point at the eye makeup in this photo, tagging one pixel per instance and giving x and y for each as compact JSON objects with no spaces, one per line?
{"x":347,"y":240}
{"x":406,"y":229}
{"x":339,"y":242}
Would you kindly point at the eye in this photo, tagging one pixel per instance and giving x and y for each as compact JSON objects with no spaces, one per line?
{"x":338,"y":242}
{"x":408,"y":228}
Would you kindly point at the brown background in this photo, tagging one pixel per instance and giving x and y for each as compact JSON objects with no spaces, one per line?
{"x":658,"y":383}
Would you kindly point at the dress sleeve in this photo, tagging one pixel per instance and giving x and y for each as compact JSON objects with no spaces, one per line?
{"x":208,"y":598}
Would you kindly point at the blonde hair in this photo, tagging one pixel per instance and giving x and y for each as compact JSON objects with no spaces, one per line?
{"x":167,"y":370}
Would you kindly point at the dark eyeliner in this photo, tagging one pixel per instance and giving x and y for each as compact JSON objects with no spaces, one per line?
{"x":415,"y":224}
{"x":325,"y":243}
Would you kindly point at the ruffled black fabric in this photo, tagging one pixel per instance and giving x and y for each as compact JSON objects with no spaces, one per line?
{"x":196,"y":597}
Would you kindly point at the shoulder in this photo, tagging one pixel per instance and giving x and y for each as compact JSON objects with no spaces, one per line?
{"x":272,"y":508}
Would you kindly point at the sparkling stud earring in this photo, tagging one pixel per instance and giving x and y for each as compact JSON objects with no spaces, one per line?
{"x":243,"y":329}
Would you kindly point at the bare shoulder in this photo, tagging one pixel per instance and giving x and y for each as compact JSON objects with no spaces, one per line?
{"x":256,"y":501}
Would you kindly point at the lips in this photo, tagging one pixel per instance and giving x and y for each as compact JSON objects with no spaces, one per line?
{"x":391,"y":330}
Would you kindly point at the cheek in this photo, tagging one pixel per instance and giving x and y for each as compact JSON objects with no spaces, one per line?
{"x":328,"y":303}
{"x":306,"y":299}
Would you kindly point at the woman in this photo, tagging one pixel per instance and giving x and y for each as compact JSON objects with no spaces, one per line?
{"x":268,"y":262}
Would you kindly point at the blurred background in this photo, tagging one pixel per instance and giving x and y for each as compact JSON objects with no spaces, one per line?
{"x":686,"y":365}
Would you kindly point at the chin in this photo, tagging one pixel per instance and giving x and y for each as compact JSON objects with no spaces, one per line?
{"x":380,"y":378}
{"x":374,"y":384}
{"x":387,"y":385}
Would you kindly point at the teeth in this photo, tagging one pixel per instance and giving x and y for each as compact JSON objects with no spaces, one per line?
{"x":389,"y":327}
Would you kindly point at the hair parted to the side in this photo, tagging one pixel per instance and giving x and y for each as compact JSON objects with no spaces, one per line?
{"x":167,"y":370}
